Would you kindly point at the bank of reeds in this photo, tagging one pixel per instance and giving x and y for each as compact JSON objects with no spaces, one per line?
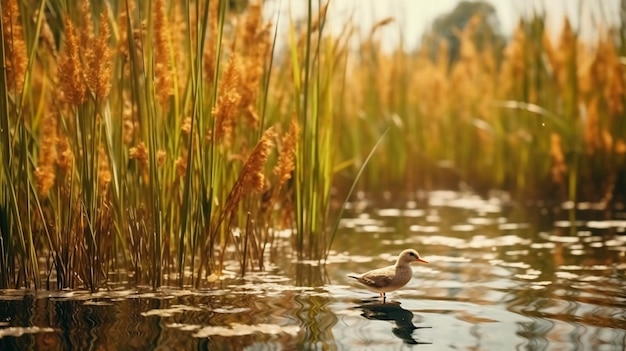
{"x":135,"y":139}
{"x":543,"y":119}
{"x":163,"y":139}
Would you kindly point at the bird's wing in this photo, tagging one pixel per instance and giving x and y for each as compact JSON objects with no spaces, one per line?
{"x":379,"y":278}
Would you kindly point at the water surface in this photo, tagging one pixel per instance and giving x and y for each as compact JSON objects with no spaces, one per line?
{"x":500,"y":278}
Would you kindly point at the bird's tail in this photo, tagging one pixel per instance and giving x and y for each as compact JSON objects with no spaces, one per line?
{"x":353,"y":275}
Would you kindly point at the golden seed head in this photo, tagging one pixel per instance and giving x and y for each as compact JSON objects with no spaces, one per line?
{"x":228,"y":102}
{"x":161,"y":157}
{"x":15,"y":60}
{"x":66,"y":157}
{"x":162,"y":63}
{"x":181,"y":164}
{"x":48,"y":156}
{"x":253,"y":178}
{"x":98,"y":58}
{"x":252,"y":23}
{"x":128,"y":131}
{"x":104,"y":170}
{"x":286,"y":157}
{"x":71,"y":80}
{"x":85,"y":23}
{"x":140,"y":154}
{"x":186,"y":127}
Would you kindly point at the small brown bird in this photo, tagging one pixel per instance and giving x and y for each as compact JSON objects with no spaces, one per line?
{"x":390,"y":278}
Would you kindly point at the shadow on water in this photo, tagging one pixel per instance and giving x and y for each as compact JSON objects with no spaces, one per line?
{"x":392,"y":312}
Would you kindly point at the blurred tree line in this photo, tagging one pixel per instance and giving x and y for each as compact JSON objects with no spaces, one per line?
{"x":448,"y":27}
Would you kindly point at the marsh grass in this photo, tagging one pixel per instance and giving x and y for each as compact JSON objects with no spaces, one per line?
{"x":542,"y":119}
{"x":141,"y":144}
{"x":165,"y":139}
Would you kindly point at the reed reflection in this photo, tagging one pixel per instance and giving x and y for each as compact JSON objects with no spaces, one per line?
{"x":392,"y":312}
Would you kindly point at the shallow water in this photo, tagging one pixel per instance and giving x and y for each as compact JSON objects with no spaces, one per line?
{"x":499,"y":278}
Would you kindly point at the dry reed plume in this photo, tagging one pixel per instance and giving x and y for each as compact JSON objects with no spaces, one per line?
{"x":286,"y":156}
{"x":48,"y":155}
{"x":285,"y":165}
{"x":163,"y":71}
{"x":140,"y":155}
{"x":104,"y":169}
{"x":227,"y":107}
{"x":85,"y":23}
{"x":251,"y":178}
{"x":98,"y":59}
{"x":16,"y":59}
{"x":65,"y":158}
{"x":71,"y":79}
{"x":255,"y":48}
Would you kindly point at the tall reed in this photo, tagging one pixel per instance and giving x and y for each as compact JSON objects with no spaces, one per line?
{"x":540,"y":119}
{"x":141,"y":145}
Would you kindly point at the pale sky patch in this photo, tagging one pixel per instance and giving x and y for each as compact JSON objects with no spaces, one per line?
{"x":412,"y":17}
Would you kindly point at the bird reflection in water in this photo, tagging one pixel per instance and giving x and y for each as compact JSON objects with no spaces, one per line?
{"x":391,"y":311}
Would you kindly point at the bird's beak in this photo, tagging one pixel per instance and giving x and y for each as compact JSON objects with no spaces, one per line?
{"x":421,"y":260}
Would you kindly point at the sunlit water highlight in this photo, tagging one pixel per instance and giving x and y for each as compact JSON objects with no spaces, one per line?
{"x":498,"y":279}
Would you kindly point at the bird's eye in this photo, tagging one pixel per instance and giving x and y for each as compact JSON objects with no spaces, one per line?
{"x":412,"y":254}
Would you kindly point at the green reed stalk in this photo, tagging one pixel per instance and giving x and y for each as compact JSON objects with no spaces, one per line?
{"x":8,"y":206}
{"x":313,"y":103}
{"x":17,"y":247}
{"x":303,"y":205}
{"x":212,"y":165}
{"x":135,"y":190}
{"x":153,"y":132}
{"x":30,"y":267}
{"x":196,"y":87}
